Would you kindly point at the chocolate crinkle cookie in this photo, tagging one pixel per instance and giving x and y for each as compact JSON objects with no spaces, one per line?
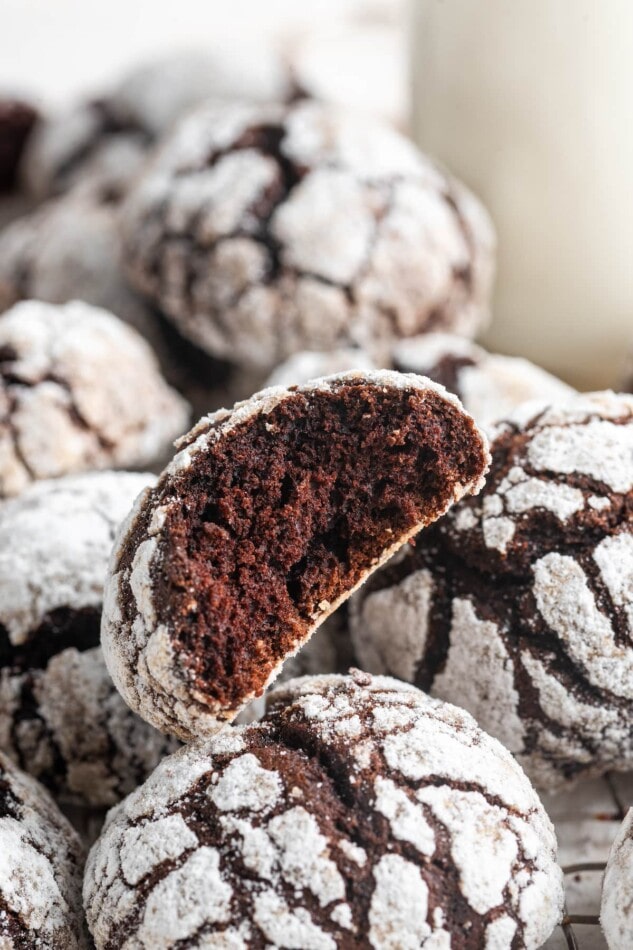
{"x":68,"y":249}
{"x":17,"y":118}
{"x":616,"y":911}
{"x":105,"y":140}
{"x":489,"y":385}
{"x":78,"y":390}
{"x":265,"y":230}
{"x":61,"y":719}
{"x":41,"y":861}
{"x":359,"y":813}
{"x":519,"y":605}
{"x":267,"y":519}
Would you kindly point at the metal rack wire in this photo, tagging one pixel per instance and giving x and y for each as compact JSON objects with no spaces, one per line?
{"x":592,"y":920}
{"x":569,"y":920}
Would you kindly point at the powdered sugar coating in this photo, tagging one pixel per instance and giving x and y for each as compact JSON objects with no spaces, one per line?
{"x":340,"y":852}
{"x":489,"y":385}
{"x":520,"y":605}
{"x":40,"y":869}
{"x":265,"y":230}
{"x":78,"y":390}
{"x":54,"y":543}
{"x":567,"y":468}
{"x":77,"y":145}
{"x":61,"y":718}
{"x":136,"y":635}
{"x":104,"y":141}
{"x":616,"y":916}
{"x":68,"y":249}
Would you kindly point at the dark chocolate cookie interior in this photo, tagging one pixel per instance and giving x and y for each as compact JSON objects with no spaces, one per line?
{"x":285,"y":514}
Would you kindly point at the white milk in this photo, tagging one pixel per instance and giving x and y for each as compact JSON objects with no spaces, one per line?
{"x":531,"y":103}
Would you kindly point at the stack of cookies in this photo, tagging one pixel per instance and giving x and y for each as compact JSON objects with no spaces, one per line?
{"x":317,"y":662}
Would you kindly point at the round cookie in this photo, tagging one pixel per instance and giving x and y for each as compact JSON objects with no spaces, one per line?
{"x":78,"y":390}
{"x":68,"y":249}
{"x":359,"y":813}
{"x":61,"y":719}
{"x":17,"y":119}
{"x":489,"y":385}
{"x":263,"y":230}
{"x":40,"y":868}
{"x":616,"y":910}
{"x":519,"y":605}
{"x":267,"y":519}
{"x":105,"y":140}
{"x":310,"y":364}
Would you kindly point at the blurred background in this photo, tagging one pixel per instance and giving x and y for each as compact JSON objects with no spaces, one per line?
{"x":355,"y":48}
{"x":526,"y":102}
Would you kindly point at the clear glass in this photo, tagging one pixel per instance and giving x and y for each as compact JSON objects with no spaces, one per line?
{"x":531,"y":103}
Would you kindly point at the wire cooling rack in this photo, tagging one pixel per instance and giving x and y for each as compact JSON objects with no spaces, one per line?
{"x":587,"y":819}
{"x":570,"y":921}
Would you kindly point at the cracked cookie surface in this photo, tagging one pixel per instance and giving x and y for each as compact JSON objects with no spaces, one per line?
{"x":61,"y":718}
{"x":264,"y":230}
{"x":519,"y":605}
{"x":69,"y":248}
{"x":359,"y":813}
{"x":41,"y":862}
{"x":266,"y":520}
{"x":105,"y":140}
{"x":78,"y":390}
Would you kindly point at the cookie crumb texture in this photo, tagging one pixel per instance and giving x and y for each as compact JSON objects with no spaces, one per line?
{"x":41,"y":862}
{"x":356,"y":814}
{"x":616,"y":910}
{"x":267,"y":519}
{"x":265,"y":230}
{"x":61,"y":718}
{"x":78,"y":390}
{"x":519,"y":605}
{"x":489,"y":385}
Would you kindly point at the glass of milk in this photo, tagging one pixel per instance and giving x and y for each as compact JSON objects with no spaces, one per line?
{"x":530,"y":102}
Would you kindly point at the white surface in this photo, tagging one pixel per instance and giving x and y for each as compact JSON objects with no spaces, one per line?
{"x":58,"y":48}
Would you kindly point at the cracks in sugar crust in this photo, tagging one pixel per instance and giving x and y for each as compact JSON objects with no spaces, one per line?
{"x":501,"y":589}
{"x":306,"y":756}
{"x":183,"y":290}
